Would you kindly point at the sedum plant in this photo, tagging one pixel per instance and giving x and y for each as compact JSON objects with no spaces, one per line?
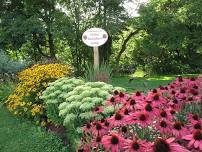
{"x":81,"y":101}
{"x":84,"y":103}
{"x":55,"y":94}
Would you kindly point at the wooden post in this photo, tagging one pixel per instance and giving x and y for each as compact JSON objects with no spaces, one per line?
{"x":96,"y":57}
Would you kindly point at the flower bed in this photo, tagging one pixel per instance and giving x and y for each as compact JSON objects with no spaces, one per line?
{"x":166,"y":119}
{"x":33,"y":81}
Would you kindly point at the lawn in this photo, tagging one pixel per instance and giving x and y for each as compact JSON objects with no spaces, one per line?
{"x":21,"y":136}
{"x":143,"y":84}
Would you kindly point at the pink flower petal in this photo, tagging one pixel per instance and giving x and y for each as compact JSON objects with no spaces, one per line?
{"x":188,"y":137}
{"x":191,"y":143}
{"x":196,"y":144}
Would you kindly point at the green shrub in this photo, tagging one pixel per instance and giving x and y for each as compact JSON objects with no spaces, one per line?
{"x":55,"y":94}
{"x":8,"y":66}
{"x":6,"y":89}
{"x":83,"y":99}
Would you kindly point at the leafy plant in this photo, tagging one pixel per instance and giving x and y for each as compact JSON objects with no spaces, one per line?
{"x":6,"y":89}
{"x":8,"y":66}
{"x":103,"y":73}
{"x":55,"y":94}
{"x":84,"y":103}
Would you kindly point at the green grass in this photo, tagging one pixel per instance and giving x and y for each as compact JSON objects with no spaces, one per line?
{"x":21,"y":136}
{"x":6,"y":89}
{"x":144,"y":84}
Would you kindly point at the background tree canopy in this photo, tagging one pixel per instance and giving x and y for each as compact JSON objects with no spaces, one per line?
{"x":166,"y":36}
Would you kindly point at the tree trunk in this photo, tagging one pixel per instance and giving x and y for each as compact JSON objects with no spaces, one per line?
{"x":51,"y":45}
{"x":124,"y":46}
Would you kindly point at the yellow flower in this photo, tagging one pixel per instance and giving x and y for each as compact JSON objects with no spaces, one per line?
{"x":43,"y":123}
{"x":32,"y":82}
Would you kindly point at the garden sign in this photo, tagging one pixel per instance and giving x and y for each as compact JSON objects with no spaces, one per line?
{"x":95,"y":37}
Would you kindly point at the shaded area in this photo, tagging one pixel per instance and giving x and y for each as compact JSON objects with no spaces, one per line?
{"x":21,"y":136}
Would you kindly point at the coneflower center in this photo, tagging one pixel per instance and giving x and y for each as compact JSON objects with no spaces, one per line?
{"x":116,"y":92}
{"x":112,"y":100}
{"x":138,"y":93}
{"x":177,"y":126}
{"x":135,"y":146}
{"x":126,"y":112}
{"x":172,"y":112}
{"x":197,"y":126}
{"x":121,"y":95}
{"x":182,"y":91}
{"x":195,"y":117}
{"x":163,"y":114}
{"x":172,"y":92}
{"x":142,"y":117}
{"x":198,"y":135}
{"x":88,"y":125}
{"x":175,"y":101}
{"x":81,"y":150}
{"x":148,"y":107}
{"x":190,"y":99}
{"x":118,"y":116}
{"x":98,"y":126}
{"x":154,"y":91}
{"x":180,"y":79}
{"x":163,"y":124}
{"x":192,"y":79}
{"x":161,"y":145}
{"x":195,"y":87}
{"x":124,"y":129}
{"x":98,"y":139}
{"x":156,"y":97}
{"x":114,"y":140}
{"x":132,"y":102}
{"x":106,"y":123}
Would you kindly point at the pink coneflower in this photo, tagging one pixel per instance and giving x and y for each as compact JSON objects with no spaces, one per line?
{"x":111,"y":101}
{"x":163,"y":126}
{"x":98,"y":129}
{"x":135,"y":146}
{"x":195,"y":139}
{"x":96,"y":141}
{"x":142,"y":118}
{"x":166,"y":145}
{"x":87,"y":127}
{"x":98,"y":110}
{"x":138,"y":96}
{"x":149,"y":108}
{"x":121,"y":97}
{"x":119,"y":119}
{"x":163,"y":114}
{"x":178,"y":130}
{"x":113,"y":142}
{"x":194,"y":118}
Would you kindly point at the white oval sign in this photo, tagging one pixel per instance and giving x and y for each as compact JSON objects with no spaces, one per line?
{"x":95,"y":37}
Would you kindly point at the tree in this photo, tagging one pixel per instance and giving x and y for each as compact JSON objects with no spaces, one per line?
{"x":173,"y":34}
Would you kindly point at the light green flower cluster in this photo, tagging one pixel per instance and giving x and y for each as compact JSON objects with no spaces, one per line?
{"x":56,"y":93}
{"x":81,"y":101}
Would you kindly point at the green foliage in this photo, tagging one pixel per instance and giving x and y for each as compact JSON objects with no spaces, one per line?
{"x":171,"y":41}
{"x":55,"y":94}
{"x":81,"y":103}
{"x":8,"y":66}
{"x":6,"y":89}
{"x":22,"y":136}
{"x":103,"y":73}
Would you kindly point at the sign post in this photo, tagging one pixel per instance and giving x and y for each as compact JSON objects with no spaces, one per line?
{"x":95,"y":37}
{"x":96,"y":57}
